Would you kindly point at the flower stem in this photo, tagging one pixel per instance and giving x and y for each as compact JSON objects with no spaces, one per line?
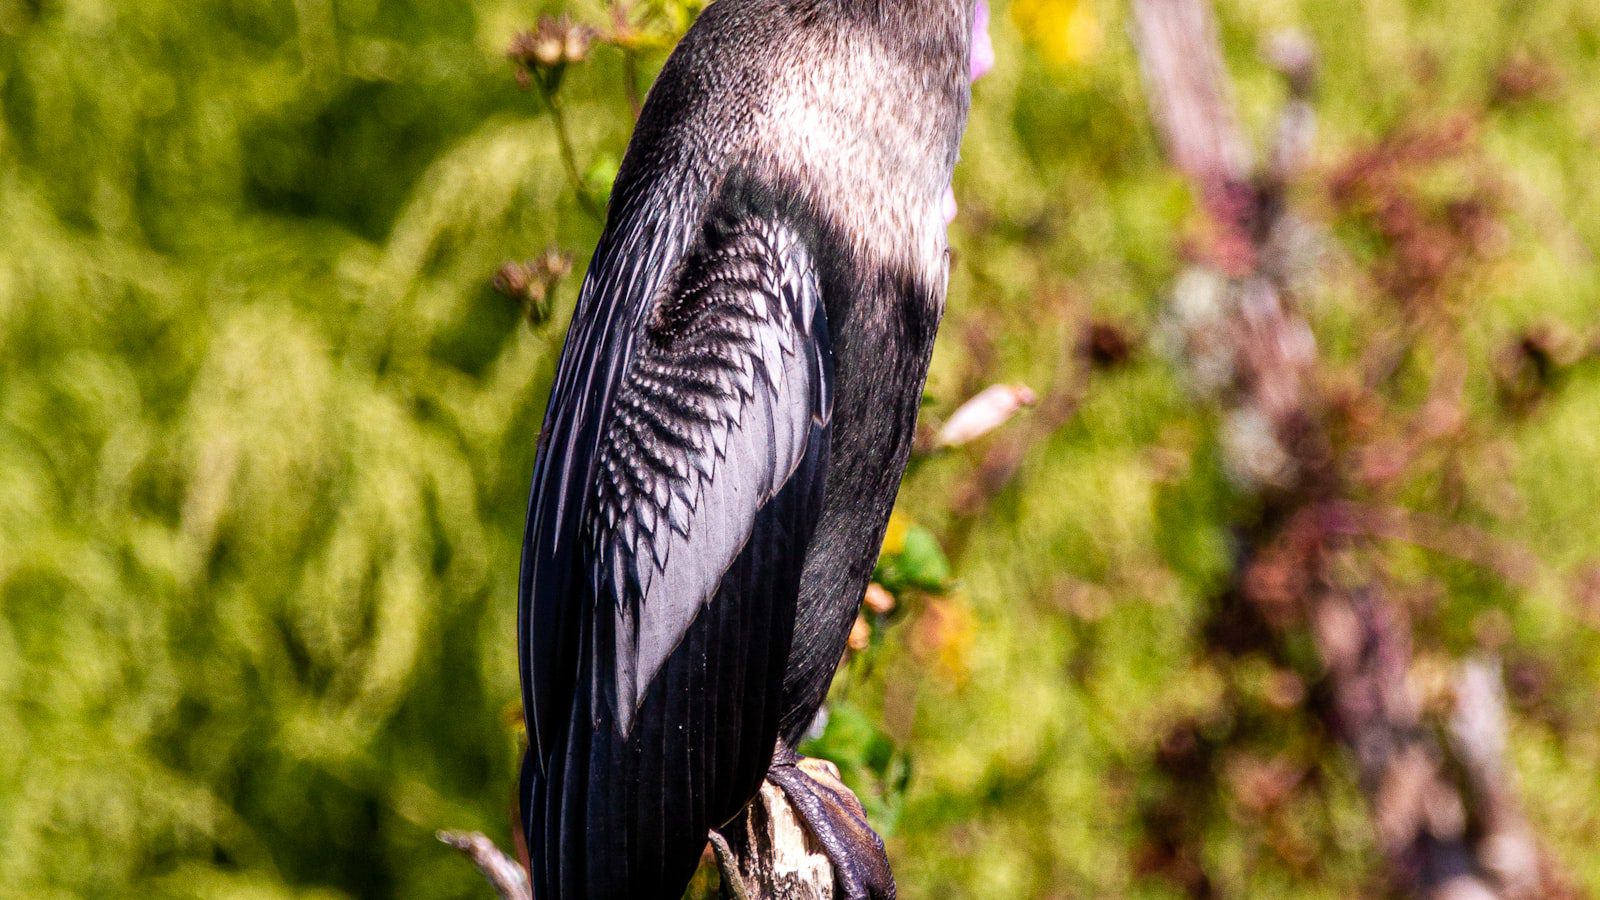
{"x":569,"y":160}
{"x":630,"y":78}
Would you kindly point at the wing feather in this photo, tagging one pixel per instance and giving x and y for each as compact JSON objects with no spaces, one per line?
{"x":674,"y":498}
{"x":683,"y":405}
{"x":636,"y":255}
{"x":715,"y":411}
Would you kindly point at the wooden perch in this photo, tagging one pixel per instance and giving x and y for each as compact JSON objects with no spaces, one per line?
{"x":765,"y":853}
{"x":770,"y":854}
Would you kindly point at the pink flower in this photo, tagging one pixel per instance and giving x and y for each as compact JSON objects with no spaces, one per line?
{"x":979,"y":63}
{"x":982,"y":59}
{"x":987,"y":410}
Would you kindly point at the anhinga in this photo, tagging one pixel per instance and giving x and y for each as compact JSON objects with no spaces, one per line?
{"x":730,"y":420}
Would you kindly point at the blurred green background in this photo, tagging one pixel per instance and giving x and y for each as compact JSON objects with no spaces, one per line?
{"x":266,"y":431}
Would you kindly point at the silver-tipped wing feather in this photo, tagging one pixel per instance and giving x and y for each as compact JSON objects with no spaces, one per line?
{"x":713,"y":417}
{"x":683,"y":409}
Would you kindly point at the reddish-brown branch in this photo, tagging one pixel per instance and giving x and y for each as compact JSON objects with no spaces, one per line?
{"x":1513,"y":564}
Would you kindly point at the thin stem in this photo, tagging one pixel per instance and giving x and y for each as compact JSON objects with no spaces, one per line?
{"x":621,"y":29}
{"x":569,"y":159}
{"x":630,"y":79}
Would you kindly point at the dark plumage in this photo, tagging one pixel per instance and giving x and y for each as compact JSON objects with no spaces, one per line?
{"x":730,"y":420}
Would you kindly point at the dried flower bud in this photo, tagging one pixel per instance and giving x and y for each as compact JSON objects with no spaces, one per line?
{"x":575,"y":45}
{"x":1107,"y":345}
{"x":555,"y":264}
{"x":878,"y":599}
{"x":554,"y":44}
{"x":532,"y":283}
{"x":860,"y":635}
{"x":547,"y":48}
{"x":523,"y":49}
{"x":988,"y":410}
{"x":513,"y":278}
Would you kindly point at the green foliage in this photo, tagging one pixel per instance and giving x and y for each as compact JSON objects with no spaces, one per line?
{"x":264,"y":437}
{"x":917,"y":564}
{"x":869,"y":762}
{"x":266,"y":431}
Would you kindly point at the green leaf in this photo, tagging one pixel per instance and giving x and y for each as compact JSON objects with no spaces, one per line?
{"x":922,"y":564}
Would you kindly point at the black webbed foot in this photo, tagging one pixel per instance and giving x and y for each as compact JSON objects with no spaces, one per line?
{"x":838,"y":822}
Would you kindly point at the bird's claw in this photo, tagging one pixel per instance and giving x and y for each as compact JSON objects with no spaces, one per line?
{"x":835,"y":817}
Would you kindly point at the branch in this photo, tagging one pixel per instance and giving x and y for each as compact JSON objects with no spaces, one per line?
{"x":1419,"y":815}
{"x":1508,"y":849}
{"x":767,"y":854}
{"x":569,"y":159}
{"x":1188,"y":87}
{"x":622,"y":34}
{"x":1513,"y":564}
{"x":507,"y":878}
{"x":1244,"y":337}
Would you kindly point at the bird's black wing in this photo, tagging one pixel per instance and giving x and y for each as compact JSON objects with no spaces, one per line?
{"x":671,"y":431}
{"x":642,"y":245}
{"x":679,"y":482}
{"x":724,"y":404}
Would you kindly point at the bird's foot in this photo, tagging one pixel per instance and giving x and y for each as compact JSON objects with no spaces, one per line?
{"x":836,"y":819}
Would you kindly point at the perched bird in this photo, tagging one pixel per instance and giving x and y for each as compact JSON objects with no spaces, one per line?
{"x":731,"y":416}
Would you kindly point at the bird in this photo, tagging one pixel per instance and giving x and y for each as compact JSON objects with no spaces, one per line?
{"x":731,"y":416}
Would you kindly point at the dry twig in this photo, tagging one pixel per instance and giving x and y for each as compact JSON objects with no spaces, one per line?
{"x":503,"y":873}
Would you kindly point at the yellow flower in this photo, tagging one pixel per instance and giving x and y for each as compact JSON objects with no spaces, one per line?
{"x":1066,"y":32}
{"x":894,"y":538}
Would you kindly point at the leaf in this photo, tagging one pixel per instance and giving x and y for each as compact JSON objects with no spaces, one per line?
{"x":920,"y":563}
